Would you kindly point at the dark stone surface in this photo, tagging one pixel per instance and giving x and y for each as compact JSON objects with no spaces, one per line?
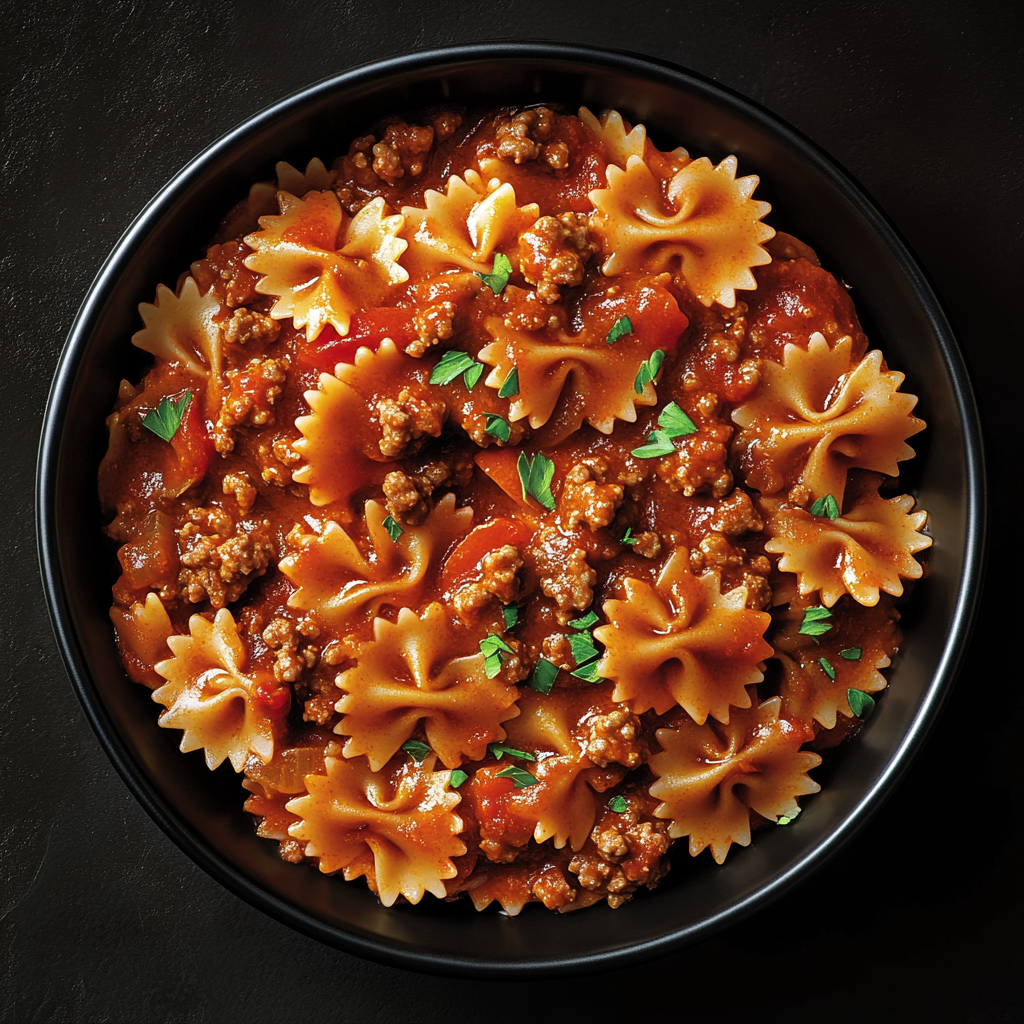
{"x":103,"y":918}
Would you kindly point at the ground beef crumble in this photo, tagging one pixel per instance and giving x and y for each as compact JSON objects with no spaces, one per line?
{"x":498,"y":585}
{"x":624,"y":852}
{"x":554,"y":253}
{"x":700,"y":462}
{"x":434,"y":326}
{"x":616,"y":738}
{"x":293,"y":655}
{"x":409,"y":421}
{"x":407,"y":494}
{"x":586,"y":498}
{"x":527,"y":136}
{"x":219,"y":559}
{"x":565,"y":574}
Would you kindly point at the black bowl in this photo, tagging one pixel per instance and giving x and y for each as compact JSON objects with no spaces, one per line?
{"x":811,"y":198}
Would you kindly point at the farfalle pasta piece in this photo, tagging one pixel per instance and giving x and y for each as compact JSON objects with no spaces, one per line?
{"x":339,"y":434}
{"x":464,"y":226}
{"x":561,"y":802}
{"x":508,"y":884}
{"x":619,"y":145}
{"x":600,"y":379}
{"x":344,"y":587}
{"x":316,"y":177}
{"x":142,"y":631}
{"x":320,"y":264}
{"x":820,"y":414}
{"x":869,"y":548}
{"x":818,"y":671}
{"x":210,"y":696}
{"x":711,"y":225}
{"x":401,"y":825}
{"x":410,"y":673}
{"x":711,"y":776}
{"x":683,"y":642}
{"x":183,"y":328}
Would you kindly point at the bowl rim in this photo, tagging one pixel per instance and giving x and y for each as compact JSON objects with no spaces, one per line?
{"x":148,"y":795}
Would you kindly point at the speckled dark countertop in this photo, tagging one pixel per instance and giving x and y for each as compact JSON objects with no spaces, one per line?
{"x":103,"y":918}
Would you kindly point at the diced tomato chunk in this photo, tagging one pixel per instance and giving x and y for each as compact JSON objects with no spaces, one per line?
{"x":368,"y":329}
{"x":272,"y":697}
{"x":465,"y":558}
{"x":193,"y":450}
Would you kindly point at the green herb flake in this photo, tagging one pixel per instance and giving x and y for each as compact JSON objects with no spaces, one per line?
{"x":618,"y":805}
{"x":658,"y":444}
{"x":675,"y":422}
{"x":787,"y":818}
{"x":814,"y":622}
{"x":520,"y":777}
{"x":497,"y":427}
{"x":583,"y":649}
{"x":588,"y":673}
{"x":165,"y":419}
{"x":588,"y":620}
{"x":457,"y":778}
{"x":451,"y":364}
{"x":510,"y":386}
{"x":543,"y":676}
{"x":535,"y":476}
{"x":620,"y":329}
{"x":492,"y":647}
{"x":861,"y":703}
{"x":826,"y":667}
{"x":501,"y":271}
{"x":851,"y":654}
{"x":628,"y":538}
{"x":416,"y":750}
{"x":510,"y":613}
{"x":394,"y":530}
{"x":499,"y":750}
{"x":648,"y":371}
{"x":472,"y":375}
{"x":826,"y":506}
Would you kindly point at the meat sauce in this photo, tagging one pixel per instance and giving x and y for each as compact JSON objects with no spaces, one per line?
{"x":488,"y":551}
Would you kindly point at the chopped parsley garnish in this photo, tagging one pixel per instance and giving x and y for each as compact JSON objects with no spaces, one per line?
{"x":658,"y":444}
{"x":520,"y":777}
{"x":583,"y":649}
{"x":826,"y":667}
{"x":787,"y":818}
{"x":826,"y":506}
{"x":588,"y":673}
{"x":861,"y":703}
{"x":543,"y":677}
{"x":584,"y":653}
{"x":618,"y":805}
{"x":165,"y":419}
{"x":535,"y":475}
{"x":648,"y":371}
{"x":501,"y":271}
{"x":510,"y":613}
{"x":451,"y":364}
{"x":620,"y":329}
{"x":499,"y":750}
{"x":457,"y":778}
{"x":673,"y":423}
{"x":510,"y":386}
{"x":416,"y":750}
{"x":851,"y":654}
{"x":492,"y":647}
{"x":628,"y":538}
{"x":394,"y":530}
{"x":814,"y":622}
{"x":497,"y":427}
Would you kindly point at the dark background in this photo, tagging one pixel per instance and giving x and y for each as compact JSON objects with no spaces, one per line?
{"x":919,"y":919}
